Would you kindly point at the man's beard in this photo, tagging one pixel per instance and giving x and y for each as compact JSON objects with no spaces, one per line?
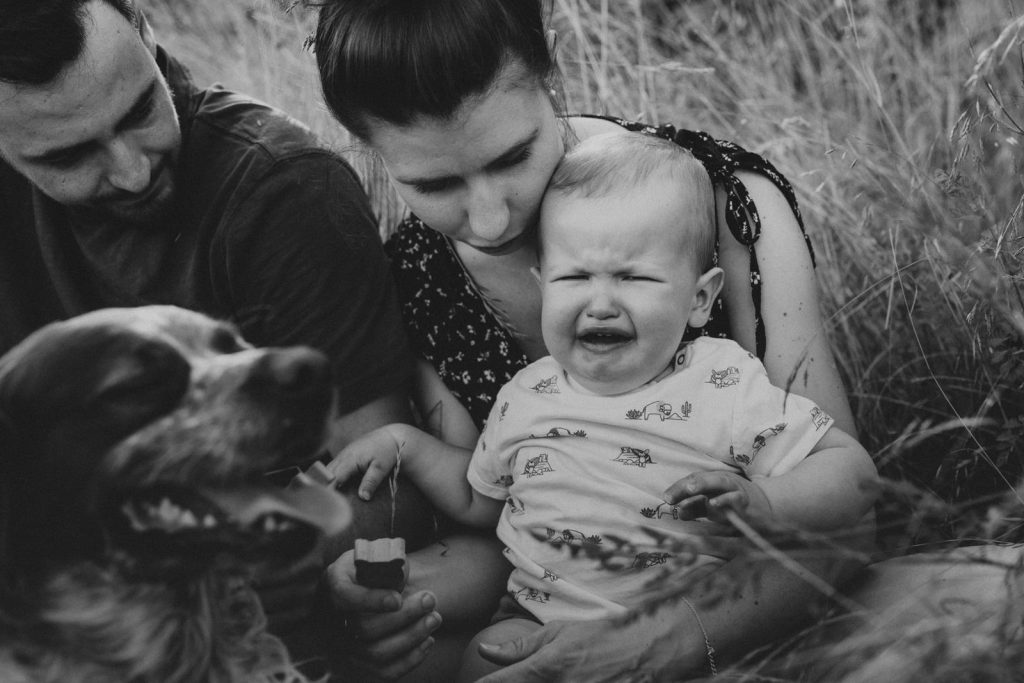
{"x":141,"y":210}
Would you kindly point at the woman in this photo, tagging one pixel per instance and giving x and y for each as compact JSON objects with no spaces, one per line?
{"x":455,"y":97}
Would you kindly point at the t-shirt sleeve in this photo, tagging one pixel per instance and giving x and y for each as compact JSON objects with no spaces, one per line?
{"x":489,"y":471}
{"x":772,"y":430}
{"x":305,"y":265}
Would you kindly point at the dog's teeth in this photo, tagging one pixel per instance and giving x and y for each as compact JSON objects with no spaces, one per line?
{"x":186,"y":518}
{"x":209,"y":521}
{"x":168,"y":511}
{"x":269,"y":524}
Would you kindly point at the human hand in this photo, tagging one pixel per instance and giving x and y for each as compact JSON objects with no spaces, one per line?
{"x":375,"y":454}
{"x":389,"y":634}
{"x":651,"y":647}
{"x":712,"y":494}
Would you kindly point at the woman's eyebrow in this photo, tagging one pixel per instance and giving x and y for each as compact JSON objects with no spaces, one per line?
{"x":499,"y":162}
{"x":514,"y":151}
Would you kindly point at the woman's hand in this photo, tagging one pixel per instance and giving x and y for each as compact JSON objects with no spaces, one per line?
{"x":663,"y":646}
{"x":389,"y":634}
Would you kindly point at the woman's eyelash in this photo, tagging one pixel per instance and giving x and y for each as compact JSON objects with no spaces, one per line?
{"x":444,"y":184}
{"x":518,"y":158}
{"x":432,"y":187}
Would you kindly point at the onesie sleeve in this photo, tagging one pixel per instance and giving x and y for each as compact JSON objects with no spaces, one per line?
{"x":772,"y":429}
{"x":490,"y":470}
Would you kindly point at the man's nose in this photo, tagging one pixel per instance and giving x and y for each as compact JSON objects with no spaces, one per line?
{"x":129,"y":167}
{"x":488,"y":213}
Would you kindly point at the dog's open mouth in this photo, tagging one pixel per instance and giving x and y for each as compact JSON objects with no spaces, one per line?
{"x":255,"y":522}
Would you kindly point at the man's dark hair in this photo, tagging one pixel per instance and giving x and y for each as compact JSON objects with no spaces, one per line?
{"x":40,"y":38}
{"x":395,"y":60}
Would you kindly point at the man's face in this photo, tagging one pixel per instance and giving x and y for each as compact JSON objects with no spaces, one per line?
{"x":103,"y":136}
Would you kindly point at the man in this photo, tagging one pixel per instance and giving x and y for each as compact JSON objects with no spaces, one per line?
{"x":123,"y":184}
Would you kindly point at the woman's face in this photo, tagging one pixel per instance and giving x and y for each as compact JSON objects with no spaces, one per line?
{"x":479,"y":176}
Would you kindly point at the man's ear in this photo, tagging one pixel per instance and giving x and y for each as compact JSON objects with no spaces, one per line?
{"x":709,"y":286}
{"x":552,"y":40}
{"x":146,"y":32}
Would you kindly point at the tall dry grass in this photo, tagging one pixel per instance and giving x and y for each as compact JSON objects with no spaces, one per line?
{"x":900,"y":124}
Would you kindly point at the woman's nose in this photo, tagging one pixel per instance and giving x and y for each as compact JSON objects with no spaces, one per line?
{"x":129,"y":168}
{"x":488,"y":214}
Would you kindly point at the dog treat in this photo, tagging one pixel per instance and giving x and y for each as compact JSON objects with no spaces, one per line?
{"x":380,"y":563}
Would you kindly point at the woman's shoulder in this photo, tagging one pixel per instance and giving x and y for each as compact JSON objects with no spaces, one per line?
{"x":722,"y":158}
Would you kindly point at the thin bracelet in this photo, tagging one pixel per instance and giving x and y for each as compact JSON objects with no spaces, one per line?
{"x":710,"y":651}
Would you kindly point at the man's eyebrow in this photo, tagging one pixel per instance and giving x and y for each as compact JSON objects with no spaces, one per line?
{"x":499,"y":162}
{"x":141,"y":102}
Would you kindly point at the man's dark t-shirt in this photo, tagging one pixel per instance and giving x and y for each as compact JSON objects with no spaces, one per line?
{"x":268,"y":229}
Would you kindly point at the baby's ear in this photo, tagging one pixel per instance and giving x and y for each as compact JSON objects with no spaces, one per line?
{"x":709,"y":286}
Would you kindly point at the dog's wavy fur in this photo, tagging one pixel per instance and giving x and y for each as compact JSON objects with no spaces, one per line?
{"x":90,"y":614}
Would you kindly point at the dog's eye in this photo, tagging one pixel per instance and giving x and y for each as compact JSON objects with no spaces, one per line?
{"x":224,"y":340}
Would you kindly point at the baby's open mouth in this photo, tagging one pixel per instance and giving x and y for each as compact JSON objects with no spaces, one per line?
{"x":604,"y":339}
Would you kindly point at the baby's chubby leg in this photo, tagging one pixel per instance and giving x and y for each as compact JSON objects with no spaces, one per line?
{"x":473,"y":665}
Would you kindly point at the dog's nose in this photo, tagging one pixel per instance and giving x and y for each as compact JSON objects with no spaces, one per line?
{"x":296,"y":372}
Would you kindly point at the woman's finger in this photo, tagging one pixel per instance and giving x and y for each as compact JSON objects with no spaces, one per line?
{"x":385,"y":637}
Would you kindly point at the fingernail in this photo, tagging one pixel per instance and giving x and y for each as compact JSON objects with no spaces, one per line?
{"x":428,"y":602}
{"x":432,"y":621}
{"x":427,"y":644}
{"x":364,"y":494}
{"x":392,"y":603}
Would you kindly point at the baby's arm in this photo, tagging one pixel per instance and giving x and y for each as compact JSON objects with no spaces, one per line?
{"x":832,"y":488}
{"x":437,"y":468}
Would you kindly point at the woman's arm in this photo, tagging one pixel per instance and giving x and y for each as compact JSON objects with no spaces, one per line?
{"x":797,"y":355}
{"x":669,"y":644}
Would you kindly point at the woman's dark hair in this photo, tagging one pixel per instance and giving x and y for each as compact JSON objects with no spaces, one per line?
{"x":40,"y":38}
{"x":394,"y":60}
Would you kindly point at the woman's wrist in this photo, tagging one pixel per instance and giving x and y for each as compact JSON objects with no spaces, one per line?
{"x":709,"y":650}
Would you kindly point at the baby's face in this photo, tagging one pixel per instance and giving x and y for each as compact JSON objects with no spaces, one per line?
{"x":618,"y":282}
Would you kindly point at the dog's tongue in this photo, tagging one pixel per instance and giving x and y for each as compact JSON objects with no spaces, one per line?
{"x":304,"y":500}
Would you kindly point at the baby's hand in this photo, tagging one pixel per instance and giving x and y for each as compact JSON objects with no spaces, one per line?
{"x":375,"y":454}
{"x":711,"y":494}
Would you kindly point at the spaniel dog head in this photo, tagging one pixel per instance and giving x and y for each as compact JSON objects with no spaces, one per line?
{"x":144,"y":434}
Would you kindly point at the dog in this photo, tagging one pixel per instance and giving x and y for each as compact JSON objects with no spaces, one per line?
{"x":133,"y":503}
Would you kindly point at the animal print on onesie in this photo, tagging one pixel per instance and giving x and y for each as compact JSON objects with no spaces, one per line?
{"x":576,"y":469}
